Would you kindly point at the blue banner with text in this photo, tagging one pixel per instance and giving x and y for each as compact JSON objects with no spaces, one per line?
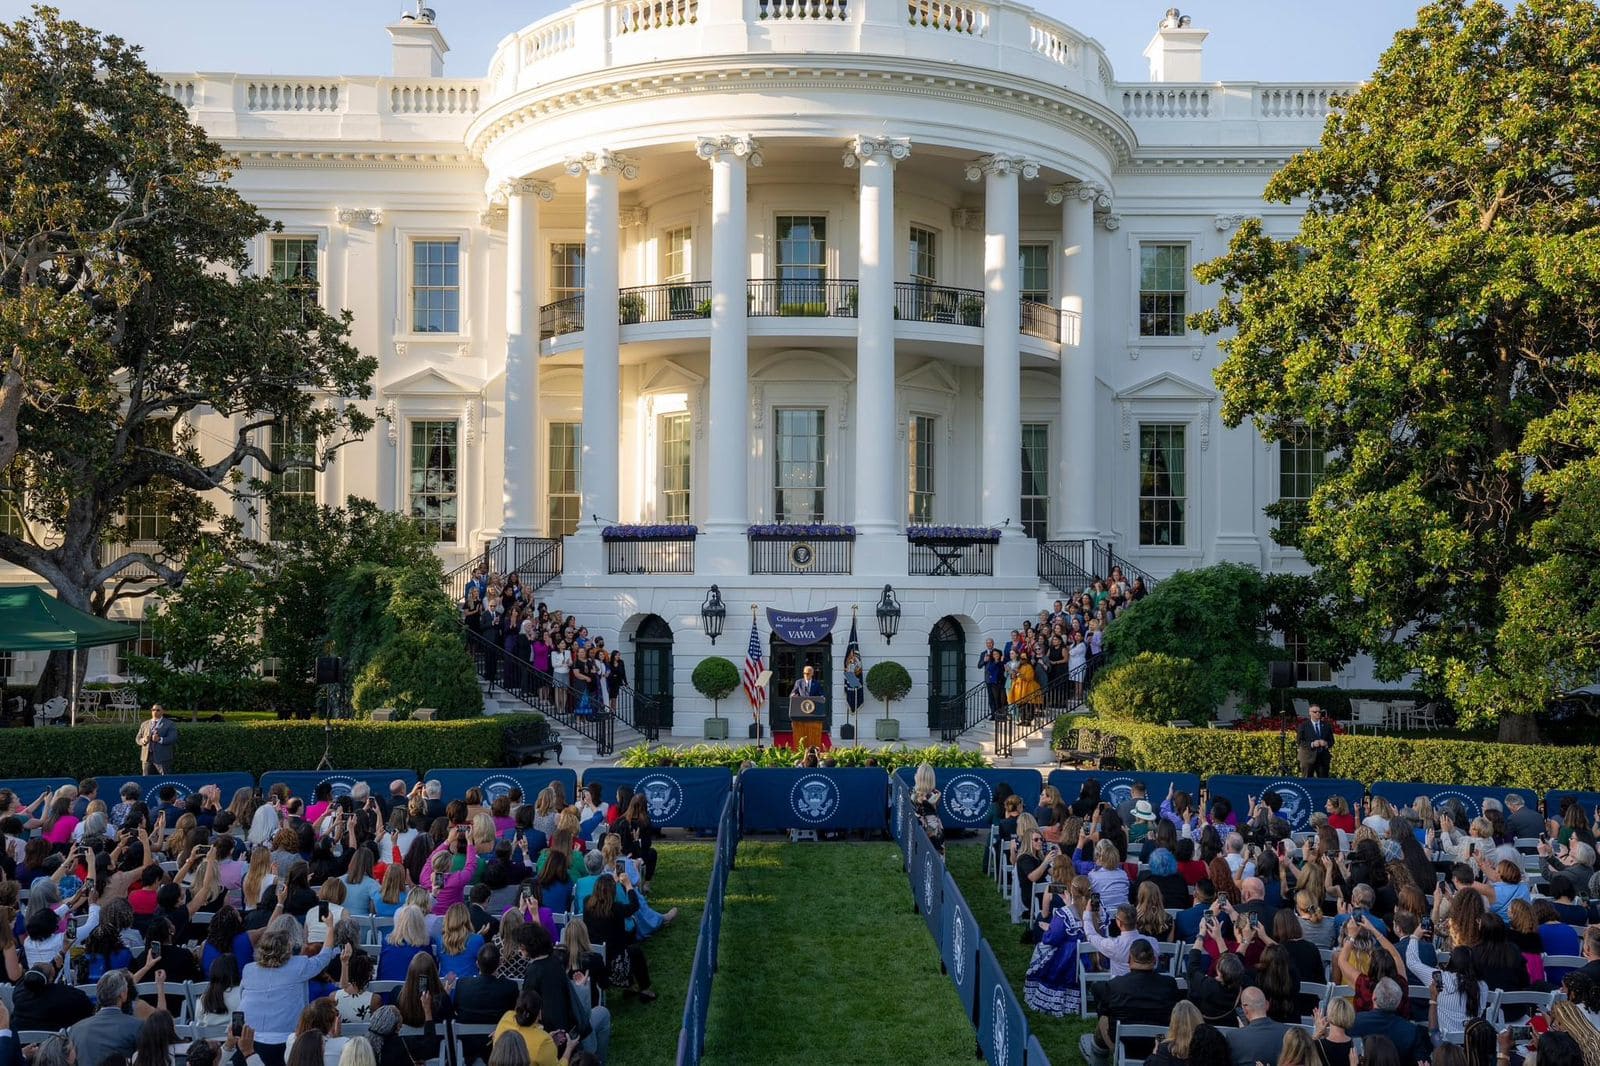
{"x":1302,"y":796}
{"x":838,"y":798}
{"x":965,"y":795}
{"x":496,"y":783}
{"x":1471,"y":797}
{"x":677,"y":798}
{"x":303,"y":783}
{"x":1116,"y":786}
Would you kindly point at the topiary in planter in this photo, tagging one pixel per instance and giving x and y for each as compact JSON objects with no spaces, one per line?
{"x":715,"y":678}
{"x":888,"y":681}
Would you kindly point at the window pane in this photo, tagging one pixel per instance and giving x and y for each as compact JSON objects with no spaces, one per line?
{"x":435,"y":287}
{"x":802,"y":258}
{"x":676,"y":459}
{"x":294,"y":262}
{"x":293,"y":489}
{"x":565,"y":477}
{"x":920,"y":430}
{"x":1301,"y":460}
{"x":566,"y":270}
{"x":1163,"y":289}
{"x":1035,"y":272}
{"x":1036,"y":479}
{"x":924,"y":260}
{"x":1306,"y":669}
{"x":433,"y":479}
{"x":676,"y":266}
{"x":1162,"y":492}
{"x":799,"y":465}
{"x":11,"y":500}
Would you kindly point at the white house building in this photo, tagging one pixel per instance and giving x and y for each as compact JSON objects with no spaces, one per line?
{"x":737,"y":263}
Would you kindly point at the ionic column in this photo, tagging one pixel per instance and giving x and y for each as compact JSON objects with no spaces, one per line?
{"x":1001,"y":452}
{"x":1074,"y":516}
{"x":879,"y":507}
{"x":727,"y":484}
{"x":602,"y":333}
{"x":519,"y":503}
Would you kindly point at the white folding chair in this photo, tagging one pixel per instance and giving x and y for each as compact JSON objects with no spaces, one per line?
{"x":51,"y":712}
{"x":1500,"y":1000}
{"x":1131,"y":1031}
{"x":458,"y":1030}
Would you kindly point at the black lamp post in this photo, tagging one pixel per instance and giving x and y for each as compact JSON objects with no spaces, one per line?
{"x":713,"y":613}
{"x":888,"y":615}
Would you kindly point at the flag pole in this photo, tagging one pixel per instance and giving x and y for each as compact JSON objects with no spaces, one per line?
{"x":755,"y":709}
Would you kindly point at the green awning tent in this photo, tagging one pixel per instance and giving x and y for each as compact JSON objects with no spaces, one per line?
{"x":33,"y":620}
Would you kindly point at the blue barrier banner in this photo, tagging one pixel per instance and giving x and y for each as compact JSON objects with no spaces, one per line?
{"x":1002,"y":1030}
{"x":679,"y":798}
{"x":839,"y":798}
{"x":1553,"y":798}
{"x":186,"y":784}
{"x":958,"y":946}
{"x":303,"y":783}
{"x":28,"y":789}
{"x":1036,"y":1055}
{"x":1116,"y":785}
{"x":965,"y":795}
{"x":899,"y":811}
{"x":927,"y":881}
{"x":496,"y":783}
{"x":1471,"y":797}
{"x":1302,"y":797}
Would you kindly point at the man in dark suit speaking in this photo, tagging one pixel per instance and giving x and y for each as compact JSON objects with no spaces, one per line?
{"x":1314,"y":741}
{"x":807,"y":684}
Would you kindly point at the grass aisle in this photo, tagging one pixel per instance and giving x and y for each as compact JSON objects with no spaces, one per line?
{"x":642,"y":1033}
{"x":1058,"y":1036}
{"x":824,"y":962}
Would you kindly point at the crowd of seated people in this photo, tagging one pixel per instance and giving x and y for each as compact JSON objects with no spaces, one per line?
{"x":1049,"y":659}
{"x":355,"y":930}
{"x":1396,"y":930}
{"x":544,"y":652}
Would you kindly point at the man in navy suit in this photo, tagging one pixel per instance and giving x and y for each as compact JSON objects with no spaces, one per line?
{"x":1314,"y":739}
{"x":806,"y":684}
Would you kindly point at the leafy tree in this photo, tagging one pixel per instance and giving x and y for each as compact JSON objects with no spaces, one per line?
{"x":1434,"y":325}
{"x":126,"y":310}
{"x":420,"y":668}
{"x":208,"y":630}
{"x":714,"y":678}
{"x":1214,"y":617}
{"x":1151,"y":687}
{"x":888,"y":681}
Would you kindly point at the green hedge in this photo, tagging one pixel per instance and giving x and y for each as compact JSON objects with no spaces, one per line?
{"x":256,"y":747}
{"x":1361,"y":758}
{"x":642,"y":757}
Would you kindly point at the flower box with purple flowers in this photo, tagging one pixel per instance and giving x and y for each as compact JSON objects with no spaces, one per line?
{"x":649,"y":532}
{"x":952,"y":535}
{"x":806,"y":531}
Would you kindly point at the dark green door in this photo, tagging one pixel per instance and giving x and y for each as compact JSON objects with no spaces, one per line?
{"x":652,"y":666}
{"x":947,"y":668}
{"x":788,"y":660}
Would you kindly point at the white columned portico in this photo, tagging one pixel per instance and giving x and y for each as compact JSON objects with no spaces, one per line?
{"x":1002,"y":321}
{"x":1075,"y":518}
{"x":602,"y":335}
{"x":520,"y":503}
{"x":727,"y":510}
{"x":876,"y":511}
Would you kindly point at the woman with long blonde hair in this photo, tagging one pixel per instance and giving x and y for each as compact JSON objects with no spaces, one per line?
{"x":259,"y":879}
{"x":1173,"y":1048}
{"x":459,"y":943}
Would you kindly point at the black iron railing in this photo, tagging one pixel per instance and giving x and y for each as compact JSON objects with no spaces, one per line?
{"x":916,"y":302}
{"x":1104,"y":559}
{"x":562,"y":317}
{"x":665,"y":556}
{"x":672,"y":302}
{"x":950,"y":558}
{"x":1041,"y":320}
{"x":801,"y":554}
{"x":538,"y":691}
{"x":535,"y":560}
{"x":796,"y":298}
{"x":1064,"y":691}
{"x":1061,"y":564}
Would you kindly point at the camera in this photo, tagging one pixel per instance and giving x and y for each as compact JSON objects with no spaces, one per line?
{"x":1094,"y":900}
{"x":155,"y":949}
{"x":236,"y":1024}
{"x":322,"y":909}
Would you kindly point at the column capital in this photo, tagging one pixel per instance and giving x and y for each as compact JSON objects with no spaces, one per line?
{"x":359,"y":216}
{"x":1004,"y":165}
{"x":604,"y":162}
{"x":505,"y":190}
{"x":719,"y":146}
{"x":1084,"y":191}
{"x":866,"y":147}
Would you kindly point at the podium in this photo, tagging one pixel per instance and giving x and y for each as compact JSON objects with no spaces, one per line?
{"x":808,"y":717}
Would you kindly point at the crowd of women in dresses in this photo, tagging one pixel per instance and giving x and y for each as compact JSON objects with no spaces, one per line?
{"x":544,"y":651}
{"x":1049,"y":659}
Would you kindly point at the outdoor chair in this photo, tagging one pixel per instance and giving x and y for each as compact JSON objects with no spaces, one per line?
{"x":51,"y":712}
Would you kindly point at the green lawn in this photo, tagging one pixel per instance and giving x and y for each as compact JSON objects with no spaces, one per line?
{"x":648,"y":1033}
{"x":1058,"y":1036}
{"x":823,"y":961}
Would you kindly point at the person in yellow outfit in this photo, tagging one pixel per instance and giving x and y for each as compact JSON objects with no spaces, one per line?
{"x":1025,"y":692}
{"x":524,"y":1020}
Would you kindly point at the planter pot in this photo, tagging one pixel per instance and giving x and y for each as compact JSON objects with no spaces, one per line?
{"x":756,"y":732}
{"x":716,"y":728}
{"x":887,"y":728}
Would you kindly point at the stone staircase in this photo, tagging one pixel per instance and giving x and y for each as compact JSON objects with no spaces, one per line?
{"x":577,"y":750}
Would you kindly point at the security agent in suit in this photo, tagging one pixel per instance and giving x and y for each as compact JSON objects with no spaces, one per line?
{"x":1313,"y":741}
{"x":1139,"y":997}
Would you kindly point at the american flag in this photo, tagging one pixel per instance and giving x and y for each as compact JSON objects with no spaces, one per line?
{"x":752,"y":670}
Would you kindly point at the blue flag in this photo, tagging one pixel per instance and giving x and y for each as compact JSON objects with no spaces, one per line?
{"x":855,"y":689}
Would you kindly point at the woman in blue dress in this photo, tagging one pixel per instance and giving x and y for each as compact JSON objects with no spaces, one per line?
{"x":1051,"y":985}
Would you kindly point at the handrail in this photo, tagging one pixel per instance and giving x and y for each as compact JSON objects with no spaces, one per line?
{"x":1061,"y":564}
{"x":536,"y":561}
{"x":801,"y":297}
{"x":966,"y":712}
{"x":1106,"y":559}
{"x":523,"y":683}
{"x":916,"y":301}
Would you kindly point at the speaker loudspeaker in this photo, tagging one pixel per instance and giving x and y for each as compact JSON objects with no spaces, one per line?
{"x":330,"y":670}
{"x":1280,"y":674}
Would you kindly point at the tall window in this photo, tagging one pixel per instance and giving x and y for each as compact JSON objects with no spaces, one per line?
{"x":565,"y":477}
{"x":294,"y":262}
{"x":1036,"y":479}
{"x":676,"y":452}
{"x":924,"y":256}
{"x":676,"y":264}
{"x":920,"y":431}
{"x":802,"y":258}
{"x":147,"y":513}
{"x":8,"y":664}
{"x":800,"y":465}
{"x":294,"y":489}
{"x":435,"y":479}
{"x":1162,"y":486}
{"x":1163,"y":289}
{"x":144,"y":644}
{"x":1306,"y":669}
{"x":436,"y":286}
{"x":1035,"y":272}
{"x":566,"y":271}
{"x":1300,"y":465}
{"x":12,"y":522}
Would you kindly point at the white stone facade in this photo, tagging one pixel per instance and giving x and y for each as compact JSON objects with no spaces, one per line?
{"x":909,"y":172}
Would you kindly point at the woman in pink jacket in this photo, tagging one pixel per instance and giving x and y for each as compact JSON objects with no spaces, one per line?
{"x":447,"y":887}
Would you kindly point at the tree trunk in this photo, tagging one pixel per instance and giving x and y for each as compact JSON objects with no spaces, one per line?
{"x":57,"y":679}
{"x":11,"y":391}
{"x":1518,"y":729}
